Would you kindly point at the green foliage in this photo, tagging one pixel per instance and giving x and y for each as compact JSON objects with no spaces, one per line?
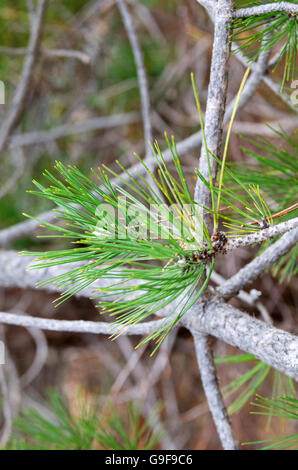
{"x":84,"y":431}
{"x":283,"y":407}
{"x":245,"y":208}
{"x":263,"y":32}
{"x":274,"y":169}
{"x":249,"y":383}
{"x":153,"y":270}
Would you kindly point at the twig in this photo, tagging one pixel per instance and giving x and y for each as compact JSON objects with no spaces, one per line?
{"x":88,"y":125}
{"x":60,"y":53}
{"x":250,"y":298}
{"x":40,"y":357}
{"x":258,"y":265}
{"x":76,"y":326}
{"x":266,"y":8}
{"x":23,"y":88}
{"x":262,"y":235}
{"x":142,"y":78}
{"x":19,"y":162}
{"x":282,"y":213}
{"x":212,"y":390}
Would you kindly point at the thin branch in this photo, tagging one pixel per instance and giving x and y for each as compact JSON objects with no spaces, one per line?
{"x":260,"y":71}
{"x":258,"y":265}
{"x":262,"y":235}
{"x":266,"y":8}
{"x":23,"y":88}
{"x":142,"y":78}
{"x":40,"y":357}
{"x":76,"y":326}
{"x":212,"y":390}
{"x":88,"y":125}
{"x":54,"y":53}
{"x":250,"y":298}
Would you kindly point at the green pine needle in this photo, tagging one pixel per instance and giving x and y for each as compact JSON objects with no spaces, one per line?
{"x":112,"y":241}
{"x":261,"y":33}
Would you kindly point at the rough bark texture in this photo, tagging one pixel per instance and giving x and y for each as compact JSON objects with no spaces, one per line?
{"x":271,"y":345}
{"x":256,"y":267}
{"x":217,"y":93}
{"x":212,"y":390}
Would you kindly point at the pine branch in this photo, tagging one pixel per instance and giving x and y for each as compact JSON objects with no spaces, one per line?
{"x":259,"y":264}
{"x":214,"y":118}
{"x":216,"y":99}
{"x":266,"y":8}
{"x":271,"y":345}
{"x":262,"y":235}
{"x":212,"y":390}
{"x":22,"y":229}
{"x":75,"y":326}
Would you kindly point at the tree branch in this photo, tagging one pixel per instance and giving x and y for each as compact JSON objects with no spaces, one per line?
{"x":258,"y":265}
{"x":54,"y":53}
{"x":77,"y":326}
{"x":266,"y":8}
{"x":23,"y":88}
{"x":214,"y":119}
{"x":271,"y":345}
{"x":262,"y":235}
{"x":212,"y":390}
{"x":216,"y":100}
{"x":88,"y":125}
{"x":142,"y":78}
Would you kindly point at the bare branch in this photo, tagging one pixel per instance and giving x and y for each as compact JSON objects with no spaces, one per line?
{"x":88,"y":125}
{"x":53,"y":53}
{"x":216,"y":100}
{"x":214,"y":119}
{"x":23,"y":88}
{"x":142,"y":78}
{"x":250,"y":298}
{"x":262,"y":235}
{"x":258,"y":265}
{"x":266,"y":8}
{"x":260,"y":70}
{"x":271,"y":345}
{"x":76,"y":326}
{"x":212,"y":390}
